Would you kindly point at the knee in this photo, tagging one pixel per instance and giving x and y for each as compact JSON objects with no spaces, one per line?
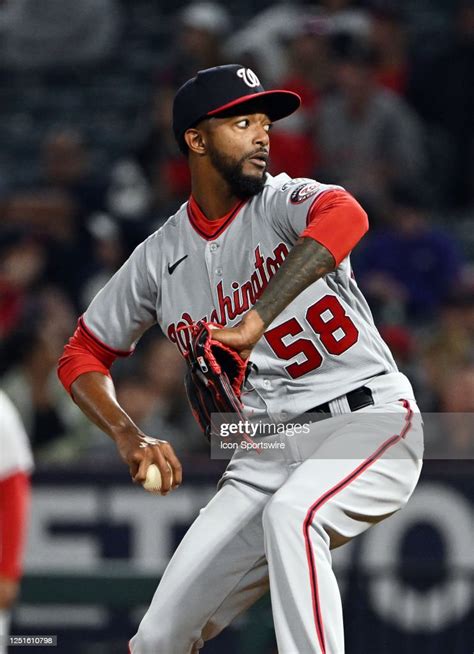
{"x":283,"y":514}
{"x":269,"y":516}
{"x":145,"y":641}
{"x":150,"y":641}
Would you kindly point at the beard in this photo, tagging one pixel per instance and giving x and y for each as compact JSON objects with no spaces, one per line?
{"x":242,"y":186}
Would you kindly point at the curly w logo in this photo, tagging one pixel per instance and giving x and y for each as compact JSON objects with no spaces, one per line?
{"x":249,"y":77}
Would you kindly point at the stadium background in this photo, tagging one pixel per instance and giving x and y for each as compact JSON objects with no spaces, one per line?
{"x":88,"y":168}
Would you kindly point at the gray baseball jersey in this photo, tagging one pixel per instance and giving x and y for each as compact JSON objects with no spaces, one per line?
{"x":323,"y":345}
{"x":270,"y":522}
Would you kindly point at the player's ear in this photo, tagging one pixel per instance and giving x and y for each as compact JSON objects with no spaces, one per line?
{"x":195,"y":140}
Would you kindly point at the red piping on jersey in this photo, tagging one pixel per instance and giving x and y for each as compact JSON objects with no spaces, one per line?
{"x":318,"y":620}
{"x":85,"y":353}
{"x":210,"y":229}
{"x":14,"y":503}
{"x":337,"y":221}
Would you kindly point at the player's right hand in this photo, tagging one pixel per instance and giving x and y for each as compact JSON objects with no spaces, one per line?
{"x":139,"y":451}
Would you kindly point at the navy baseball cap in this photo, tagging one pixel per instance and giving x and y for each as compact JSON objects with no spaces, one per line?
{"x":218,"y":90}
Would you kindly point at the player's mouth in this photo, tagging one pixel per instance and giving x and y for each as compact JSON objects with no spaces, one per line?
{"x":259,"y":159}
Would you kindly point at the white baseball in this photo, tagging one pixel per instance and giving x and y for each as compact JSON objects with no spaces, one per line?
{"x":152,"y":483}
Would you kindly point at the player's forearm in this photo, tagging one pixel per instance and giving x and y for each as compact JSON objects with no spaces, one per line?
{"x":306,"y":263}
{"x":94,"y":393}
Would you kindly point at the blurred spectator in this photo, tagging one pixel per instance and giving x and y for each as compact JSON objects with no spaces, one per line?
{"x":457,"y":397}
{"x":56,"y":33}
{"x":48,"y":219}
{"x":259,"y":44}
{"x":409,"y":267}
{"x":16,"y":464}
{"x":66,"y":167}
{"x":160,"y":160}
{"x":48,"y":213}
{"x":449,"y":347}
{"x":128,"y":194}
{"x":30,"y":355}
{"x":109,"y":254}
{"x":450,"y":105}
{"x":368,"y":137}
{"x":347,"y":18}
{"x":199,"y":35}
{"x":389,"y":39}
{"x":292,"y":145}
{"x":401,"y":341}
{"x":22,"y":263}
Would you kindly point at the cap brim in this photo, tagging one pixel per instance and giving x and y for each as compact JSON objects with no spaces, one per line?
{"x":276,"y":104}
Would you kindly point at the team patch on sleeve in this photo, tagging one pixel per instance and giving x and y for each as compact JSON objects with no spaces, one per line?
{"x":304,"y":192}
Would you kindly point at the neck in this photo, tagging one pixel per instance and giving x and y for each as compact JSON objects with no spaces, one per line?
{"x":211,"y":192}
{"x":215,"y":201}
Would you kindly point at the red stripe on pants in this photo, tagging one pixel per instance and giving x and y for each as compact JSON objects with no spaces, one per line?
{"x":318,"y":620}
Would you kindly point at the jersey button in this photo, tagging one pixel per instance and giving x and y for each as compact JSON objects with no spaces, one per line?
{"x":213,"y":247}
{"x":267,"y":383}
{"x":219,"y":272}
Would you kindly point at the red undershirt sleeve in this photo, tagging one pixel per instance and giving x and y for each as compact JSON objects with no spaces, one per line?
{"x":14,"y":502}
{"x":85,"y":353}
{"x":337,"y":221}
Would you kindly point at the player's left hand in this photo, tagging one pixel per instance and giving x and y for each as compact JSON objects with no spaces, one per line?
{"x":243,"y":337}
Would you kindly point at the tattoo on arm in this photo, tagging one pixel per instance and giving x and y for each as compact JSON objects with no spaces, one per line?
{"x":306,"y":262}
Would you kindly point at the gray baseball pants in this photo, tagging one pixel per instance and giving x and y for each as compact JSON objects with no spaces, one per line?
{"x":272,"y":525}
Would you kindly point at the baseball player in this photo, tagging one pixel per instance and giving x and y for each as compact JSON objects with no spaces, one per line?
{"x":268,"y":259}
{"x":16,"y":464}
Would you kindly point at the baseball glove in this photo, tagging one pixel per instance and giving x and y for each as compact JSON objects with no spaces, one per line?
{"x":214,"y":377}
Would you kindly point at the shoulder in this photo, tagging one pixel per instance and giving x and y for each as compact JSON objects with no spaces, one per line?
{"x":297,"y":190}
{"x":169,"y":228}
{"x":285,"y":184}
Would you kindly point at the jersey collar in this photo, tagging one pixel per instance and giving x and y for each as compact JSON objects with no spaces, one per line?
{"x":210,"y":229}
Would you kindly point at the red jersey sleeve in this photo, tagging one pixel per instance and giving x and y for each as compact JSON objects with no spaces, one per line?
{"x":337,"y":221}
{"x":14,"y":502}
{"x":85,"y":353}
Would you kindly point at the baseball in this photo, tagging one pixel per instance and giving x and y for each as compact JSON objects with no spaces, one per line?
{"x":152,"y":483}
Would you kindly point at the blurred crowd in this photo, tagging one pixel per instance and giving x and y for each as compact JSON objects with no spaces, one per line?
{"x":387,"y":112}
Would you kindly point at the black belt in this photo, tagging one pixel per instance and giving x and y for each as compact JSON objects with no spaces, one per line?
{"x":357,"y":399}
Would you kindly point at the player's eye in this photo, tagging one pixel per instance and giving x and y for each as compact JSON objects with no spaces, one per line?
{"x":245,"y":122}
{"x":267,"y":127}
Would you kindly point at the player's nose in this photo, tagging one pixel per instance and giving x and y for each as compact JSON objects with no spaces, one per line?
{"x":261,"y":136}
